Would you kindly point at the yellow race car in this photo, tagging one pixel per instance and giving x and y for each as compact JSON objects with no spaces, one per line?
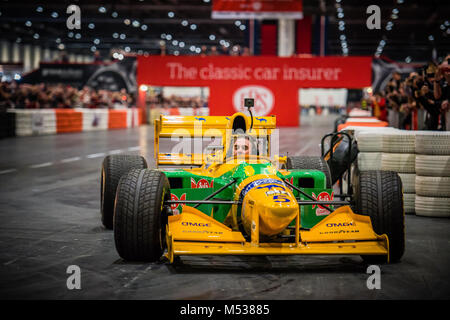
{"x":237,"y":196}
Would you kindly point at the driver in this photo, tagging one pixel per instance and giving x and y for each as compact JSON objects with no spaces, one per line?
{"x":242,"y":146}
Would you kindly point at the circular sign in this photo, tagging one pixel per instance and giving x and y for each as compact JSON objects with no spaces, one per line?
{"x":264,"y":99}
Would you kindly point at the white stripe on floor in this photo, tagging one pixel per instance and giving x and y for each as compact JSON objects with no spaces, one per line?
{"x":115,"y":151}
{"x":7,"y":171}
{"x":41,"y":165}
{"x":134,"y":148}
{"x":70,"y":159}
{"x":95,"y":155}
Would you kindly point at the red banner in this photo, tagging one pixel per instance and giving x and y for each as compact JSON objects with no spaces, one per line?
{"x":273,"y":81}
{"x":257,"y":9}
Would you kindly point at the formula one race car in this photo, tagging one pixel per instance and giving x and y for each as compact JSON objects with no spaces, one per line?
{"x":237,"y":196}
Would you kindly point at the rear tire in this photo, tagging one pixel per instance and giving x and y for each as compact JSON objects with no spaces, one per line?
{"x":113,"y":168}
{"x":312,"y":163}
{"x":378,"y":194}
{"x":139,"y":215}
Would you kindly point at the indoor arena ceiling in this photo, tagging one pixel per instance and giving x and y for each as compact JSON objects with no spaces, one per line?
{"x":410,"y":29}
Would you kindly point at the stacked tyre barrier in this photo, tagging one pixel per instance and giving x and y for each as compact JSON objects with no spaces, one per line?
{"x":422,"y":160}
{"x":22,"y":122}
{"x":399,"y":155}
{"x":433,"y":174}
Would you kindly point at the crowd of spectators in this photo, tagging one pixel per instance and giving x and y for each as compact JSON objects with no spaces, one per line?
{"x":42,"y":96}
{"x":426,"y":89}
{"x":174,"y":102}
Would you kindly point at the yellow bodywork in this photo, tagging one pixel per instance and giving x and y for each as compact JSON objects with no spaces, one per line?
{"x":341,"y":233}
{"x":192,"y":127}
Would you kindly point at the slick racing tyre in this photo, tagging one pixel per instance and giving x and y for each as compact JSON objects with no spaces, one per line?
{"x":310,"y":162}
{"x":378,"y":194}
{"x":113,"y":168}
{"x":140,"y":217}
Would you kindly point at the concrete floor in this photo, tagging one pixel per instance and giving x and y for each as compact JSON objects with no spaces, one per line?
{"x":49,"y":220}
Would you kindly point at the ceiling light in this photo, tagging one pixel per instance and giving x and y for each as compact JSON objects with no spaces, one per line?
{"x":144,"y":27}
{"x":55,"y":15}
{"x":237,"y":23}
{"x":136,"y":23}
{"x":181,"y":44}
{"x":96,"y":41}
{"x":127,"y":22}
{"x":123,"y":36}
{"x":28,"y":23}
{"x":102,"y":9}
{"x":193,"y":26}
{"x":115,"y":35}
{"x":114,"y":14}
{"x":171,"y":14}
{"x":61,"y":46}
{"x":39,"y":9}
{"x":91,"y":26}
{"x":184,"y":23}
{"x":93,"y":49}
{"x":212,"y":37}
{"x":36,"y":36}
{"x":242,"y":27}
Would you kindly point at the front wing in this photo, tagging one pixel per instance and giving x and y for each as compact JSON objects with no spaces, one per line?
{"x":341,"y":233}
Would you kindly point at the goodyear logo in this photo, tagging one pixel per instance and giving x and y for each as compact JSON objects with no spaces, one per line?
{"x":195,"y":224}
{"x":341,"y":224}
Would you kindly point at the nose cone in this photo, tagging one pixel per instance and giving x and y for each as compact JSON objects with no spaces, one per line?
{"x":275,"y":205}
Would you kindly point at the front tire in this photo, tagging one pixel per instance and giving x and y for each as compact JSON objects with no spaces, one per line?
{"x":311,"y":163}
{"x":113,"y":168}
{"x":379,"y":195}
{"x":139,"y":219}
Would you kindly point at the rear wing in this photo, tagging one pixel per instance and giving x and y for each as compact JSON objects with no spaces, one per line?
{"x":197,"y":129}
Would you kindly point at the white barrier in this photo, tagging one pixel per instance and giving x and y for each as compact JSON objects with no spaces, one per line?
{"x":34,"y":122}
{"x":94,"y":119}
